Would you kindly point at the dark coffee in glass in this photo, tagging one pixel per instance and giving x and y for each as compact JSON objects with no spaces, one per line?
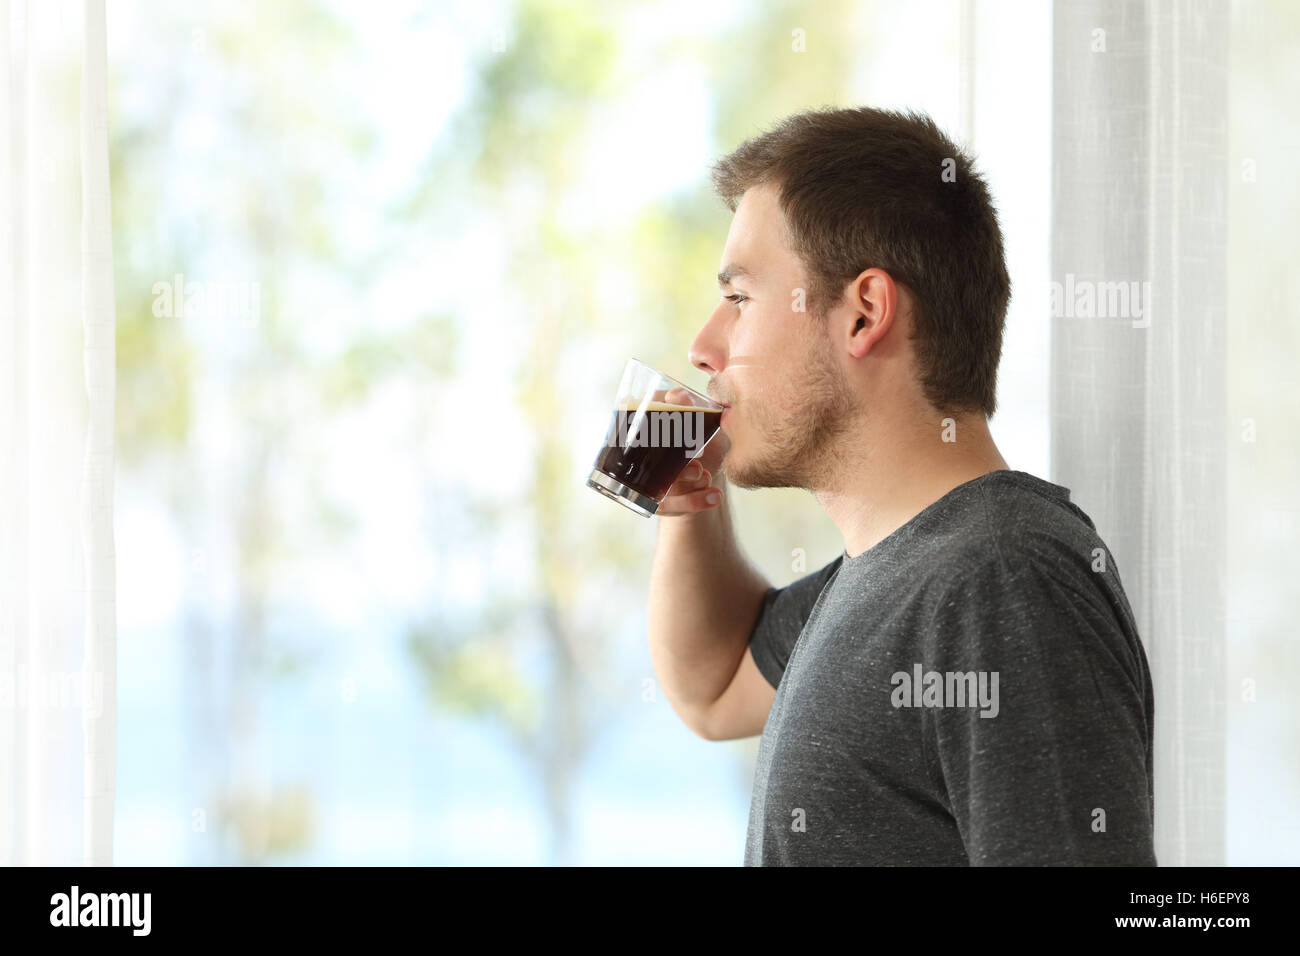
{"x":650,"y":440}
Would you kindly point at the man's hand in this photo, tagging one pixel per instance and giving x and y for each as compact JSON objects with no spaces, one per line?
{"x":693,"y":489}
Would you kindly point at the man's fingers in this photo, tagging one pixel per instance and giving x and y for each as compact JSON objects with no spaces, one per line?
{"x":691,"y":492}
{"x":701,"y":500}
{"x":694,"y":477}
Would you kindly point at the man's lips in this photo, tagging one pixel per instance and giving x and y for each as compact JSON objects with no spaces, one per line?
{"x":726,"y":406}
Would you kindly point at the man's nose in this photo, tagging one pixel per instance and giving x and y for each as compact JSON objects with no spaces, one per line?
{"x":708,"y":352}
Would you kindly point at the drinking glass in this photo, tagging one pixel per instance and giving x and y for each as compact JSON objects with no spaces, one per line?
{"x":658,"y":427}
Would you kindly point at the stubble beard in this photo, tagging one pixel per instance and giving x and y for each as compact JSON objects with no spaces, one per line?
{"x":800,"y":449}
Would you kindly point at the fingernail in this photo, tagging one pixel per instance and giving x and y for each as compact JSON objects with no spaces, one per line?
{"x":712,"y":498}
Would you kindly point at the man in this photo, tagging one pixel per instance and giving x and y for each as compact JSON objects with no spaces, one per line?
{"x":965,"y":683}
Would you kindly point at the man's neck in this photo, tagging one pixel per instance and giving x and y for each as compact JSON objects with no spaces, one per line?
{"x":884,"y":482}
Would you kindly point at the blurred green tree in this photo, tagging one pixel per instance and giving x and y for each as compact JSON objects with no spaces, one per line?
{"x":514,"y":147}
{"x":257,"y":209}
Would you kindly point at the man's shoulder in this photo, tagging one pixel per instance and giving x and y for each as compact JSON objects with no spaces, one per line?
{"x":1012,"y":530}
{"x":1004,"y":534}
{"x":1024,"y":548}
{"x":1012,"y":522}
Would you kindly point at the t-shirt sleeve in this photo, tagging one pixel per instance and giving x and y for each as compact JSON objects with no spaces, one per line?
{"x":1054,"y":769}
{"x":781,"y":619}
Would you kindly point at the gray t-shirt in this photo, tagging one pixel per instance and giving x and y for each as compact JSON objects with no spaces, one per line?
{"x":971,"y":690}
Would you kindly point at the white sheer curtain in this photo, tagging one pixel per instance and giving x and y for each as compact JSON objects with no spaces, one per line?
{"x":57,"y":356}
{"x":1139,"y":240}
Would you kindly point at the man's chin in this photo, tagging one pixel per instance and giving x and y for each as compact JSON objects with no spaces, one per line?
{"x":735,"y":469}
{"x":753,"y":475}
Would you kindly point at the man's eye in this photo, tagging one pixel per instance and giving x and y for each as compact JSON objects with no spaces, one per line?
{"x":736,"y":298}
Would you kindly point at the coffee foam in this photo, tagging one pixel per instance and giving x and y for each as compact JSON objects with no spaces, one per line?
{"x":664,"y":407}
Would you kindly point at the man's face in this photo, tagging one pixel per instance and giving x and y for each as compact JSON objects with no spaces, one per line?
{"x":772,"y":365}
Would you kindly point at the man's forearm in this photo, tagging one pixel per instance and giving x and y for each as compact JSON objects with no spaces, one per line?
{"x":704,"y":601}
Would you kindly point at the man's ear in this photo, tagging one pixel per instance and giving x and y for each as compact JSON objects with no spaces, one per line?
{"x":875,"y":303}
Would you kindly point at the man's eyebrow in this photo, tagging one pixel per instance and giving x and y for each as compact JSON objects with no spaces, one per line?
{"x":733,"y":271}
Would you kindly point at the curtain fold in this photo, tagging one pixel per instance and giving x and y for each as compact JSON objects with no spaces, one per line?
{"x":57,"y":361}
{"x":1138,"y":417}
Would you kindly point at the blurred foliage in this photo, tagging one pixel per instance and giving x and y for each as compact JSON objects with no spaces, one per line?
{"x":513,"y":152}
{"x":269,"y":824}
{"x":538,"y":655}
{"x":424,"y":349}
{"x":264,"y":202}
{"x":475,"y":673}
{"x":530,"y":102}
{"x":252,"y":111}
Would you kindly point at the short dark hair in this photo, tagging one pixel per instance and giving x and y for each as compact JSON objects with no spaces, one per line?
{"x":866,"y":188}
